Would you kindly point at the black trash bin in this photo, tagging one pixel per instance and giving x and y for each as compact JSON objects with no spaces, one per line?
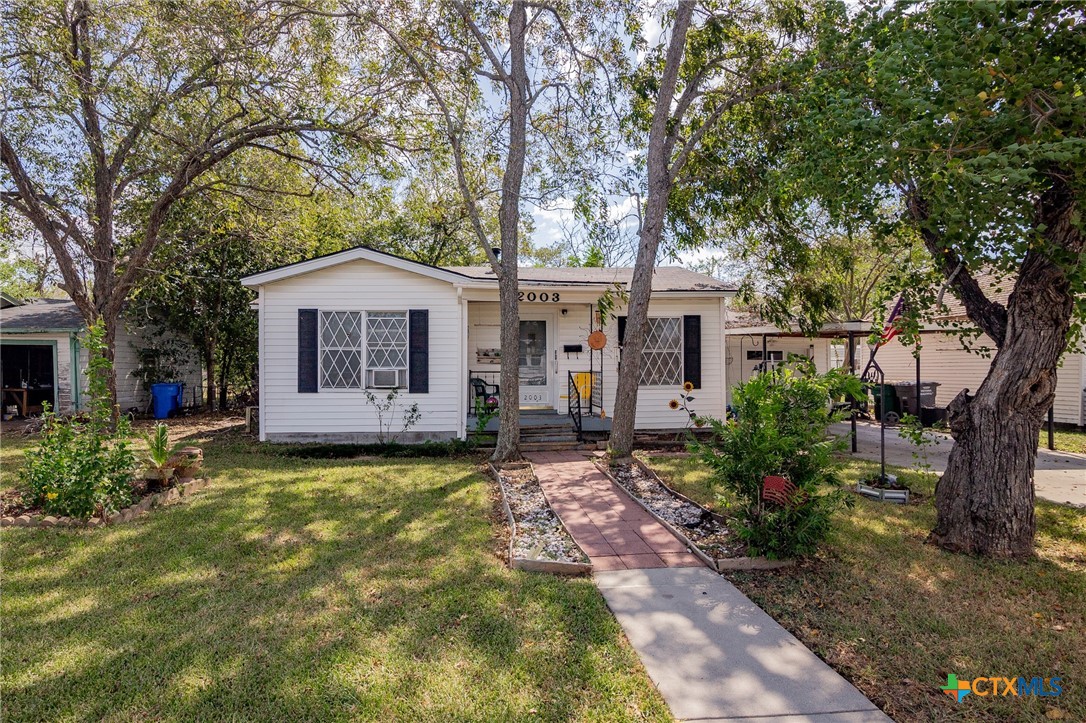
{"x":906,"y":394}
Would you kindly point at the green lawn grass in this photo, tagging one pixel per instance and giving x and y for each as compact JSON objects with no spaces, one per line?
{"x":896,"y":615}
{"x":296,"y":589}
{"x":1066,"y":440}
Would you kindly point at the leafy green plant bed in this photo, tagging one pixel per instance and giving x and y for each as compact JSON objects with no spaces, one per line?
{"x":705,"y":533}
{"x":18,"y":515}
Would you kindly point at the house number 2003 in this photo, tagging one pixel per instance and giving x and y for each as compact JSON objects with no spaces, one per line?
{"x":544,"y":296}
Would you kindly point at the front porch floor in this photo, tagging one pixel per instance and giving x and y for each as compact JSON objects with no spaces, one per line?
{"x":544,"y":418}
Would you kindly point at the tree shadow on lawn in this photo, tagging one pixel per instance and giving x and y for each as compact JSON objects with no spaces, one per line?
{"x":896,"y":615}
{"x":301,"y":589}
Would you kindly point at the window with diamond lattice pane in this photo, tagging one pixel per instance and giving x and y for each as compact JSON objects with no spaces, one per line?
{"x":662,"y":357}
{"x":341,"y":349}
{"x":386,"y":349}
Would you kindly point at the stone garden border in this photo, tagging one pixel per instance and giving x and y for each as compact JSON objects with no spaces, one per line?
{"x":719,"y":564}
{"x":158,"y":499}
{"x":554,"y":567}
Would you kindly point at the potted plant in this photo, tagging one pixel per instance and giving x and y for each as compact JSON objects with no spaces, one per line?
{"x":158,"y":471}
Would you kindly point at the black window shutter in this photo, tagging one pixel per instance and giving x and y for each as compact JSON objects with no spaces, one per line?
{"x":308,"y":352}
{"x":692,"y":350}
{"x":418,"y":351}
{"x":621,"y":330}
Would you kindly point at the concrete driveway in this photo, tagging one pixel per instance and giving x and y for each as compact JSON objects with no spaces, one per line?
{"x":1060,"y":476}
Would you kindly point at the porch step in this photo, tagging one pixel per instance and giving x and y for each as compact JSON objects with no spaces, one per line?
{"x":569,"y":438}
{"x":543,"y":431}
{"x":555,"y":446}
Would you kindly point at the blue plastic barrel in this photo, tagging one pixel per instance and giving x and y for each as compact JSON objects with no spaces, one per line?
{"x":165,"y":398}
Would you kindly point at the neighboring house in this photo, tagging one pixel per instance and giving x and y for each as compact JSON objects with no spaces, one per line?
{"x":751,"y":339}
{"x":42,"y":357}
{"x":943,"y":359}
{"x":333,"y":327}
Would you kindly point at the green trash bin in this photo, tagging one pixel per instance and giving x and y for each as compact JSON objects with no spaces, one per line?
{"x":886,"y":399}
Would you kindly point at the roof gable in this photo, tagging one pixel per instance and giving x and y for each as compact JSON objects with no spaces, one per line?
{"x":357,"y":253}
{"x":42,"y":315}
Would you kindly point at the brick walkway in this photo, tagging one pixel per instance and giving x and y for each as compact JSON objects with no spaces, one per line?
{"x":613,"y":529}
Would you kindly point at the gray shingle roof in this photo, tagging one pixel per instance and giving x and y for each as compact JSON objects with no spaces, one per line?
{"x":666,"y":278}
{"x":40,"y":314}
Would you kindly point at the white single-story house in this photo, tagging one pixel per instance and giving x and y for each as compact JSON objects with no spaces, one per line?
{"x":334,"y":327}
{"x":42,"y":358}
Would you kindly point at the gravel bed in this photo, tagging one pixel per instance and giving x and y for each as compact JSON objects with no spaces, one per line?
{"x":539,"y":535}
{"x":710,"y":535}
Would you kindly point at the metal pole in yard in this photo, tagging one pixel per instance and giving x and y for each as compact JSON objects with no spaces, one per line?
{"x":918,"y":412}
{"x":1051,"y":427}
{"x":852,"y":370}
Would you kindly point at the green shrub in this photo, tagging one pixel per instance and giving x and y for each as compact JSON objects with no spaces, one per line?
{"x":780,"y":428}
{"x":83,"y":464}
{"x":158,"y":447}
{"x":333,"y":450}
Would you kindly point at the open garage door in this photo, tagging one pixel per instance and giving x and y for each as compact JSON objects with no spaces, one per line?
{"x":28,"y":373}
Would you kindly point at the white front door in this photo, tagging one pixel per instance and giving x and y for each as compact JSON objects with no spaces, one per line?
{"x":534,"y":362}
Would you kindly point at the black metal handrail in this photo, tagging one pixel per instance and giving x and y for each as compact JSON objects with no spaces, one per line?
{"x":574,"y":397}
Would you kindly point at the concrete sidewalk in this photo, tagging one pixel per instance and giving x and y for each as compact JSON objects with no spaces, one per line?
{"x":1059,"y":476}
{"x":716,"y":656}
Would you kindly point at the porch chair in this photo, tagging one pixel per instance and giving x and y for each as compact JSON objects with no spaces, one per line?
{"x":481,"y":391}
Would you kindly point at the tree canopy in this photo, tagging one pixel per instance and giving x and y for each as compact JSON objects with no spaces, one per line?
{"x":959,"y":125}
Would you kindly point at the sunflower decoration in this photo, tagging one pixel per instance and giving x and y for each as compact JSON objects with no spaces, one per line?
{"x":683,"y":403}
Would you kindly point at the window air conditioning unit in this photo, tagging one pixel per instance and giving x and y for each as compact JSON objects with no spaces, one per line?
{"x":385,"y":378}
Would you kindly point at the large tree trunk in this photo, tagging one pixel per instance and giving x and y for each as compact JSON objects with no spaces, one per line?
{"x":507,"y":447}
{"x":110,"y":324}
{"x":637,"y":316}
{"x":985,"y":498}
{"x":224,"y":377}
{"x":658,"y":166}
{"x":209,"y":369}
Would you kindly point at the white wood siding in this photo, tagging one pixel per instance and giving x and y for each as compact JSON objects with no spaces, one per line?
{"x":652,"y":402}
{"x":942,"y":359}
{"x":345,"y":413}
{"x":130,"y":388}
{"x":573,"y":328}
{"x":741,"y":369}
